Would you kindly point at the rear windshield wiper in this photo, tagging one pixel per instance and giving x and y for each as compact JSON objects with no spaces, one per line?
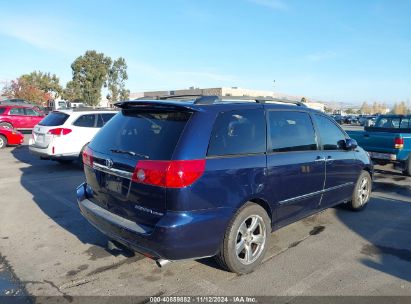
{"x":129,"y":153}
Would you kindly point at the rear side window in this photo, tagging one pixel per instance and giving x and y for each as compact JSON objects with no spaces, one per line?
{"x":332,"y":138}
{"x":54,"y":119}
{"x":291,"y":131}
{"x":16,"y":111}
{"x":238,"y":132}
{"x":153,"y":134}
{"x":102,"y":119}
{"x":2,"y":110}
{"x":87,"y":121}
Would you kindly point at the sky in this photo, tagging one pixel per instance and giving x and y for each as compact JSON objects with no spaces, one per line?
{"x":332,"y":50}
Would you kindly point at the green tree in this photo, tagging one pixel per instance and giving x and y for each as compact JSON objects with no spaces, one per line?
{"x":72,"y":91}
{"x":46,"y":82}
{"x":90,"y":73}
{"x":20,"y":88}
{"x":350,"y":111}
{"x":7,"y":90}
{"x":304,"y":100}
{"x":400,"y":108}
{"x":117,"y":77}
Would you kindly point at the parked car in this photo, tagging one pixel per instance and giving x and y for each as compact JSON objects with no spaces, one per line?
{"x":22,"y":102}
{"x":76,"y":104}
{"x":62,"y":135}
{"x":19,"y":117}
{"x":10,"y":137}
{"x":388,"y":141}
{"x":338,"y":118}
{"x":351,"y":120}
{"x":53,"y":105}
{"x":179,"y":180}
{"x":367,"y":121}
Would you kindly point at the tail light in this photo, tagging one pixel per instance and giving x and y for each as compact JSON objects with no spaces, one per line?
{"x":59,"y":131}
{"x":399,"y":143}
{"x":88,"y":157}
{"x":170,"y":174}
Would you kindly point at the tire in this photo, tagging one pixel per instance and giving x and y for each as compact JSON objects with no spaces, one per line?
{"x":238,"y":234}
{"x":407,"y":170}
{"x":3,"y":141}
{"x":362,"y":192}
{"x":6,"y":125}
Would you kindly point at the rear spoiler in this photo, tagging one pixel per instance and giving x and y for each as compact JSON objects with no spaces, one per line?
{"x":154,"y":104}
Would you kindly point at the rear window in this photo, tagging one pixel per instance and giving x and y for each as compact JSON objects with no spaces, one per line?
{"x":54,"y":119}
{"x":150,"y":133}
{"x":391,"y":123}
{"x":2,"y":110}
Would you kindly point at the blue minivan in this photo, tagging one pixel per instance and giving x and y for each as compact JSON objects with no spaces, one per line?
{"x":192,"y":177}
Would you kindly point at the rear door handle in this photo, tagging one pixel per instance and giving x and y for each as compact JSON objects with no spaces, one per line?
{"x":329,"y":158}
{"x":366,"y":135}
{"x":320,"y":159}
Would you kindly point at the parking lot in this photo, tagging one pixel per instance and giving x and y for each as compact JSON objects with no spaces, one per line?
{"x":50,"y":249}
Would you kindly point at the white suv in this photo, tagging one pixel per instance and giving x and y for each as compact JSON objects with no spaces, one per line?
{"x":62,"y":135}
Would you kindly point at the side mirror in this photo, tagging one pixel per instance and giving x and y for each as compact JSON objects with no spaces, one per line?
{"x":350,"y":144}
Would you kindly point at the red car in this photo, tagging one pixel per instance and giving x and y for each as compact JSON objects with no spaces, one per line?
{"x":10,"y":137}
{"x":19,"y":117}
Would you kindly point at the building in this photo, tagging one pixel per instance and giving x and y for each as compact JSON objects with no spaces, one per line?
{"x":229,"y":91}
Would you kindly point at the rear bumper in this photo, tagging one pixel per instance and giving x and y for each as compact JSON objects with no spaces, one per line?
{"x":387,"y":158}
{"x":15,"y":140}
{"x":383,"y":156}
{"x":177,"y":236}
{"x":46,"y":153}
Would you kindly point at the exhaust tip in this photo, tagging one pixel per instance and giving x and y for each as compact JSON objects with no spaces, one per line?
{"x":161,"y":262}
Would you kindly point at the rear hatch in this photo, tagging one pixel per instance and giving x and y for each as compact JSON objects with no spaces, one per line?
{"x":132,"y":136}
{"x":42,"y":132}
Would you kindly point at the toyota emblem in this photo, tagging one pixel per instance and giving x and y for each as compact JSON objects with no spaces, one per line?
{"x":109,"y":163}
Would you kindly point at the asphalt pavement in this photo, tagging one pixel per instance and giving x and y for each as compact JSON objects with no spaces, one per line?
{"x":49,"y":249}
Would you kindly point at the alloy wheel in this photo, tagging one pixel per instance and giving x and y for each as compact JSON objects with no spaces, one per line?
{"x":251,"y":239}
{"x":364,"y":191}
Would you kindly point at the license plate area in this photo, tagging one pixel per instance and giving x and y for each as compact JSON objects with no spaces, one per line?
{"x":39,"y":138}
{"x":115,"y":184}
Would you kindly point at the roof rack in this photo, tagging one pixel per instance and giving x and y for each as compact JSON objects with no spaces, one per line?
{"x":212,"y":99}
{"x":196,"y":98}
{"x":248,"y":98}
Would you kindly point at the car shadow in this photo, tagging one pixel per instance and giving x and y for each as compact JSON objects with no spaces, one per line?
{"x":53,"y":188}
{"x":385,"y":226}
{"x":389,"y":172}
